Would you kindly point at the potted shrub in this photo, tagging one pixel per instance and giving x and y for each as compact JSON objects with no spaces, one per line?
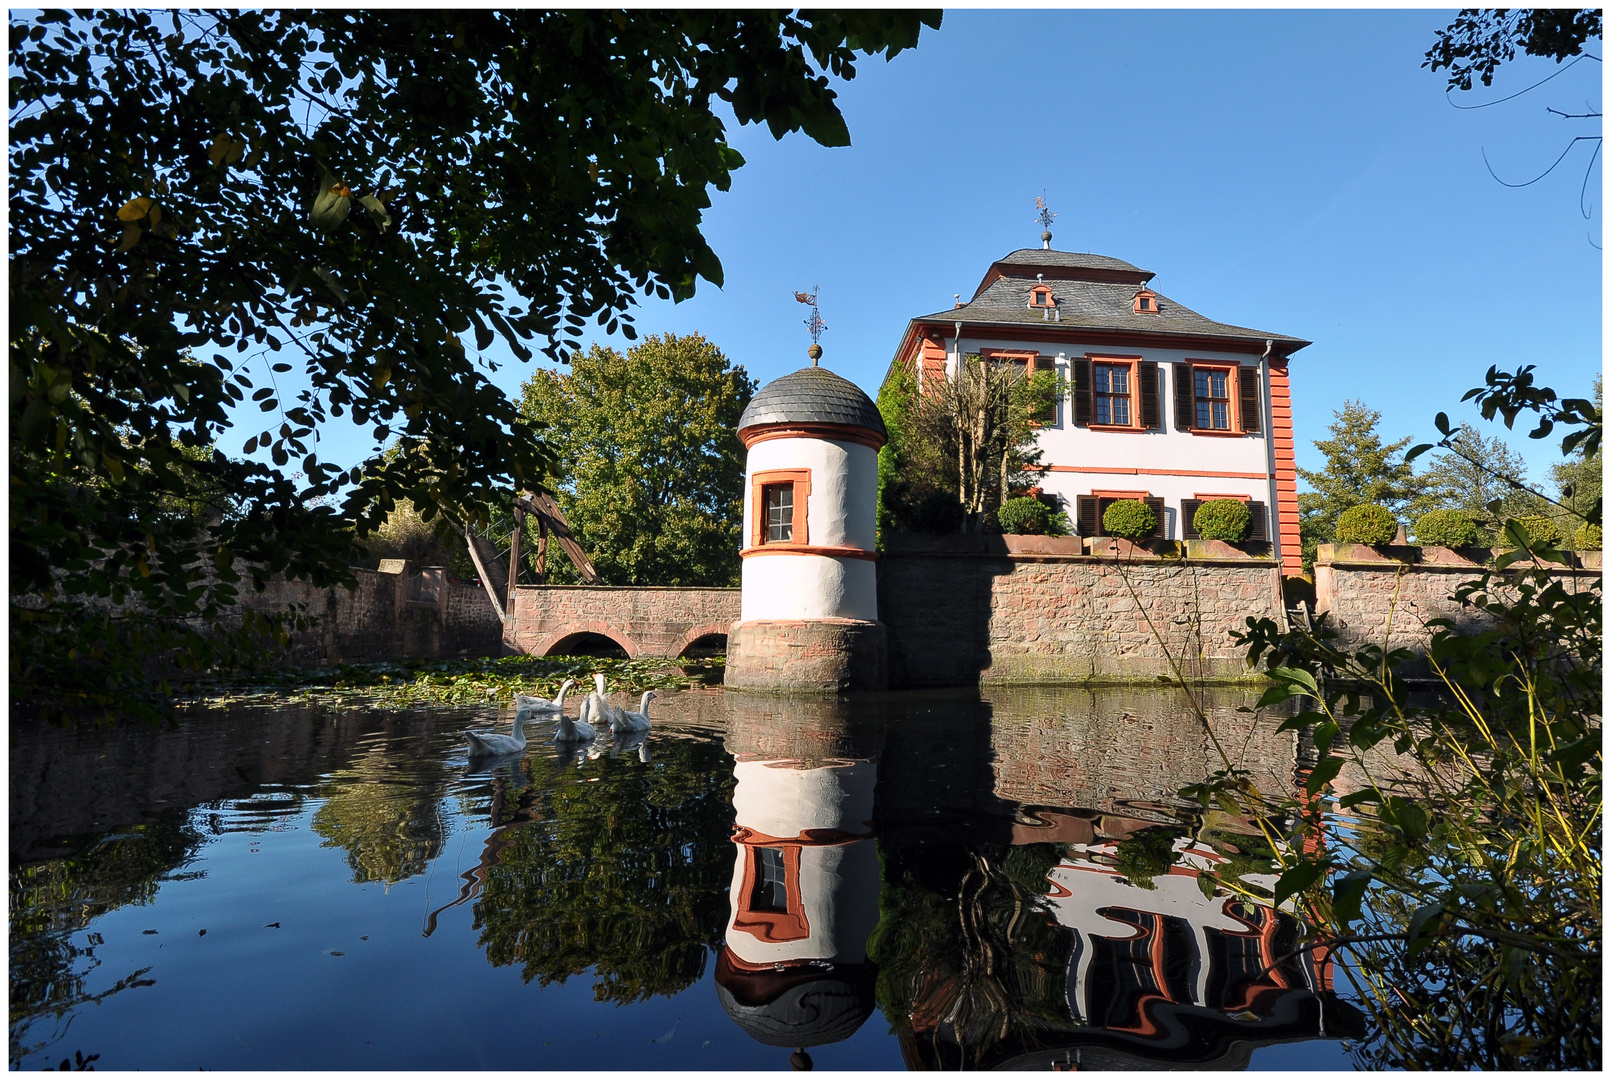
{"x":1220,"y":524}
{"x":1587,"y":537}
{"x":1542,"y":531}
{"x":1125,"y":522}
{"x":1023,"y":516}
{"x":1367,"y":524}
{"x":1440,"y":532}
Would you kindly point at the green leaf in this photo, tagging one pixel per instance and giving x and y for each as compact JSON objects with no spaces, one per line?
{"x":1348,"y":894}
{"x":1296,"y":879}
{"x":1297,"y":677}
{"x":1323,"y":774}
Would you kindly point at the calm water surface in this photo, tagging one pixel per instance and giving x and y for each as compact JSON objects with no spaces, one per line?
{"x":897,"y":881}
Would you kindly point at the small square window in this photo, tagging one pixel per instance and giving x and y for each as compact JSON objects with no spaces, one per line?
{"x":777,"y":501}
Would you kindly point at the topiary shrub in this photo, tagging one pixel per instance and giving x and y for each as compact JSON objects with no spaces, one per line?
{"x":1023,"y":515}
{"x":1129,"y":518}
{"x":1540,"y":530}
{"x":1587,"y":538}
{"x":1222,"y":519}
{"x":1368,"y":524}
{"x":1445,"y":528}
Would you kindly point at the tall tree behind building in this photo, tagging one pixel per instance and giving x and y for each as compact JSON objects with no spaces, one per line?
{"x":1359,"y":468}
{"x":654,"y":489}
{"x":1454,"y":481}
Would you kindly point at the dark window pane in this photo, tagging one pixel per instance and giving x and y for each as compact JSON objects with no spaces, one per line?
{"x":778,"y":500}
{"x":771,"y":886}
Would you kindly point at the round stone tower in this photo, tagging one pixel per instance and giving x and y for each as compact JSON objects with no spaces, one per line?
{"x":809,"y":620}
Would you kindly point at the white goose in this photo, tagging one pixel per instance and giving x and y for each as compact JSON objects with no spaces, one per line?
{"x":604,"y":712}
{"x":487,"y":742}
{"x":633,"y":721}
{"x":576,"y":730}
{"x":543,"y":705}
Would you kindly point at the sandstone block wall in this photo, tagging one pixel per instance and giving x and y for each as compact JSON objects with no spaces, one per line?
{"x":958,"y":618}
{"x":649,"y":621}
{"x":1387,"y":596}
{"x":377,"y":621}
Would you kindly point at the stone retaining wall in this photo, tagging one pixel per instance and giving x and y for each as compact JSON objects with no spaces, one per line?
{"x":1009,"y":611}
{"x":1387,"y":595}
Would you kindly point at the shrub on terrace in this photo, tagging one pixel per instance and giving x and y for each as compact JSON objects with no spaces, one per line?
{"x":1222,"y":519}
{"x":1023,"y":515}
{"x":1587,"y":538}
{"x":1445,"y":528}
{"x":1540,"y":529}
{"x":1129,"y":518}
{"x":1368,"y":524}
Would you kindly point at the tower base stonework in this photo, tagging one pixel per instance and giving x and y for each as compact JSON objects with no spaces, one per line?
{"x":807,"y":656}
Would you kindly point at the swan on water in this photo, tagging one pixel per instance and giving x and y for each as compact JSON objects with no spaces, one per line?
{"x":543,"y":705}
{"x":604,"y":712}
{"x":578,"y":729}
{"x":487,"y":742}
{"x":633,"y":721}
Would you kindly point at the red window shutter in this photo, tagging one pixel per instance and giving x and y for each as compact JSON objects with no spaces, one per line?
{"x":1158,"y":531}
{"x":1257,"y":523}
{"x":1247,"y":380}
{"x":1147,"y":376}
{"x":1090,"y":520}
{"x":1185,"y":397}
{"x":1188,"y":511}
{"x":1084,"y":395}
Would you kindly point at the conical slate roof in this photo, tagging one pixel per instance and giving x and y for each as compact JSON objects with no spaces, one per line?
{"x":813,"y":395}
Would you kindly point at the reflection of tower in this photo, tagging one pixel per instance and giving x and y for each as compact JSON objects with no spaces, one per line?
{"x":804,"y":899}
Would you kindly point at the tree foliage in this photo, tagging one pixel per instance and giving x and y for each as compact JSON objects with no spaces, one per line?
{"x":654,"y":488}
{"x":1474,"y":471}
{"x":1481,"y":39}
{"x":971,"y":433}
{"x":1359,"y":469}
{"x":336,"y":213}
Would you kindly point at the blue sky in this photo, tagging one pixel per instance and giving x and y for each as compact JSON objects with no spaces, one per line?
{"x":1297,"y":172}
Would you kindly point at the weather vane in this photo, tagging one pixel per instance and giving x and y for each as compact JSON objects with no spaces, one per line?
{"x":814,"y":324}
{"x":1045,"y":218}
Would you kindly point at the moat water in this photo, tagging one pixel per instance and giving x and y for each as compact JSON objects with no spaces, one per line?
{"x":893,"y":881}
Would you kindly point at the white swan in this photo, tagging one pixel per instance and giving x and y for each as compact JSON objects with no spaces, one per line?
{"x":543,"y":705}
{"x":604,"y":712}
{"x":633,"y":721}
{"x":487,"y":742}
{"x":578,"y":729}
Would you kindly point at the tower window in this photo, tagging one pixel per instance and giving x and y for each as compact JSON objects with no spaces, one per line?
{"x":778,"y":501}
{"x":771,"y":891}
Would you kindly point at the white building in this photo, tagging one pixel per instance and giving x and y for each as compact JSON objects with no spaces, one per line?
{"x":1161,"y":403}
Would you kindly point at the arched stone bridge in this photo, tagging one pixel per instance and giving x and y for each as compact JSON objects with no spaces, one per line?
{"x":663,"y":621}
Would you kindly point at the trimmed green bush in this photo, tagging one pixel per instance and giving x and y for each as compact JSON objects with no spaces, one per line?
{"x":1023,"y":515}
{"x":1368,"y":524}
{"x":1222,"y":519}
{"x":1587,"y":538}
{"x":1445,"y":528}
{"x":1541,"y":530}
{"x":1129,"y":518}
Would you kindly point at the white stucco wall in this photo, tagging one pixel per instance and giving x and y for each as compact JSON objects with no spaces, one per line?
{"x":1175,"y":454}
{"x":808,"y":587}
{"x":782,"y":800}
{"x":842,"y":511}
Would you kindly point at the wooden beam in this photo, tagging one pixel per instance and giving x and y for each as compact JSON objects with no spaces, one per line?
{"x":489,"y":567}
{"x":514,"y":559}
{"x":549,"y":513}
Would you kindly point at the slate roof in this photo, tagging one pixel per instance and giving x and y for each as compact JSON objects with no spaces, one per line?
{"x":1086,"y":304}
{"x":813,"y":395}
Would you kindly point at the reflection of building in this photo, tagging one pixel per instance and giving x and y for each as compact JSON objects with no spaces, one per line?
{"x":804,"y":898}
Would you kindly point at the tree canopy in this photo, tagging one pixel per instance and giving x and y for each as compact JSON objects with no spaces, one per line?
{"x":1481,"y":39}
{"x":654,"y":483}
{"x":208,"y":206}
{"x":1359,"y":469}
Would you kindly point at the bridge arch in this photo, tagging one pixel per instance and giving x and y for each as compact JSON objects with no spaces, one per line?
{"x":546,"y":644}
{"x":698,"y":633}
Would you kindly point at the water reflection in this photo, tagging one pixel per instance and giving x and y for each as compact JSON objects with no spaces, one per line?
{"x":1004,"y":876}
{"x":804,"y":894}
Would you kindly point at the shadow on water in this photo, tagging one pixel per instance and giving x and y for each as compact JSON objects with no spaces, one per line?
{"x":1008,"y":876}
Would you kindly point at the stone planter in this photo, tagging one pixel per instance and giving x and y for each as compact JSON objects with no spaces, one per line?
{"x":1220,"y":549}
{"x":1026,"y":544}
{"x":1117,"y":547}
{"x":1435,"y":555}
{"x":1589,"y":560}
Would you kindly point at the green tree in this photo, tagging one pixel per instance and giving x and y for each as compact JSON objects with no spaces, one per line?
{"x":654,"y":490}
{"x":1579,"y":480}
{"x":1474,"y":472}
{"x":1481,"y":39}
{"x":1359,"y":469}
{"x":206,"y":206}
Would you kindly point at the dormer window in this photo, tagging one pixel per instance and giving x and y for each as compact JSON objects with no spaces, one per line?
{"x":1145,"y":303}
{"x":1040,"y":296}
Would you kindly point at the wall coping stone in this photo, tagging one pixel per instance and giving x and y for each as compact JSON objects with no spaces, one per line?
{"x":1432,"y":557}
{"x":635,"y":588}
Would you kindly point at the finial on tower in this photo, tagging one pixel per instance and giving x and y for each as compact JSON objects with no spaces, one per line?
{"x":1045,"y":218}
{"x":814,"y":324}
